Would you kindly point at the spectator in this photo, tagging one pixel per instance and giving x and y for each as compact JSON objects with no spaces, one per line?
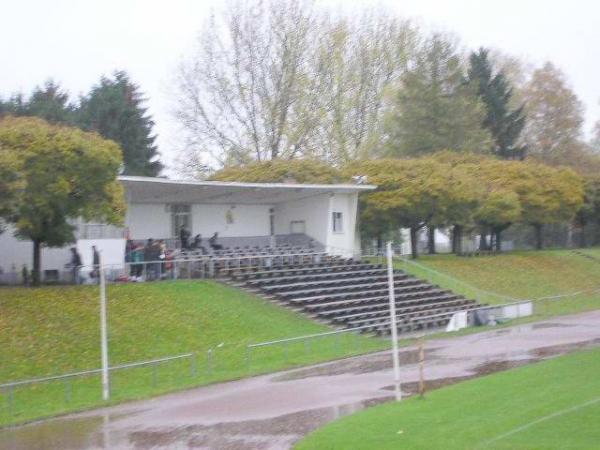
{"x":95,"y":263}
{"x":197,"y":244}
{"x":149,"y":257}
{"x":213,"y":242}
{"x":161,"y":251}
{"x":184,"y":237}
{"x":75,"y":265}
{"x":25,"y":275}
{"x":129,"y":248}
{"x":137,"y":258}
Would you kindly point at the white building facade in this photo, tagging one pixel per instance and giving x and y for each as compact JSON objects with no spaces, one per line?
{"x":242,"y":214}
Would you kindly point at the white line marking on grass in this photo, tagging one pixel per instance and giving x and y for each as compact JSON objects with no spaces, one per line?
{"x":541,"y":419}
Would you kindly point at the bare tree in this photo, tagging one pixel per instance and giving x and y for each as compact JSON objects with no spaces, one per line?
{"x":361,"y":58}
{"x":244,"y":95}
{"x":281,"y":79}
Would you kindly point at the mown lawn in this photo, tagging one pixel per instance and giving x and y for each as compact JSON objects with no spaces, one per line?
{"x":548,"y":405}
{"x":519,"y":275}
{"x":55,"y":330}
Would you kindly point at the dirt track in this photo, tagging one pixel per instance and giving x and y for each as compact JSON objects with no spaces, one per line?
{"x":274,"y":411}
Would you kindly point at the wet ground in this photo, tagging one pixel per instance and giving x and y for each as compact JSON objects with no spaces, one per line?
{"x":274,"y":411}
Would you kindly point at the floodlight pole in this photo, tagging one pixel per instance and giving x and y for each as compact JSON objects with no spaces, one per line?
{"x":393,"y":326}
{"x":103,"y":333}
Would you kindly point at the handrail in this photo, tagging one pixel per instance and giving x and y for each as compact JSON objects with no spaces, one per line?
{"x":93,"y":371}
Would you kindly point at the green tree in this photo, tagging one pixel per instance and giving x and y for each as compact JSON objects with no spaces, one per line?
{"x":434,"y":109}
{"x":115,"y":109}
{"x":49,"y":102}
{"x":504,"y":124}
{"x":62,"y":174}
{"x":411,"y":193}
{"x":548,"y":195}
{"x":589,"y":213}
{"x":281,"y":171}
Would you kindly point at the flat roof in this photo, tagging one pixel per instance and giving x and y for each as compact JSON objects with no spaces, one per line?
{"x":163,"y":190}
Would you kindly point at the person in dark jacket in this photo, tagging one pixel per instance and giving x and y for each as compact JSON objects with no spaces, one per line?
{"x":95,"y":263}
{"x":75,"y":265}
{"x":184,"y":237}
{"x":213,"y":242}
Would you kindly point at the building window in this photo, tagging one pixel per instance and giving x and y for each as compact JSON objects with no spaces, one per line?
{"x":181,"y":216}
{"x":338,"y":226}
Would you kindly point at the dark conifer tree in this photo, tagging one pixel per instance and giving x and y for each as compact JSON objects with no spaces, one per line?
{"x":504,"y":124}
{"x":115,"y":109}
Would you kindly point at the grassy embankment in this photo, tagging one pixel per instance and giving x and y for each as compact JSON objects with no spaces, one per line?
{"x":55,"y":330}
{"x":519,"y":275}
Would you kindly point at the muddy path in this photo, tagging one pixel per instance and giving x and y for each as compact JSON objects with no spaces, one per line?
{"x":274,"y":411}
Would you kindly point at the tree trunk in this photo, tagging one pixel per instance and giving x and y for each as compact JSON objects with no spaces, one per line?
{"x":539,"y":239}
{"x":498,"y":240}
{"x":413,"y":242}
{"x":483,"y":240}
{"x":431,"y":240}
{"x":457,"y":239}
{"x":35,"y":273}
{"x":379,"y":243}
{"x":582,"y":242}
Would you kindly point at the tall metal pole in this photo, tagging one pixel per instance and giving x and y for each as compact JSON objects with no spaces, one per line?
{"x":394,"y":329}
{"x":103,"y":333}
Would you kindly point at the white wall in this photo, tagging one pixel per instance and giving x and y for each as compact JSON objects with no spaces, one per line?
{"x":313,"y":210}
{"x":148,"y":220}
{"x":15,"y":252}
{"x":248,"y":220}
{"x":343,"y":242}
{"x":113,"y":251}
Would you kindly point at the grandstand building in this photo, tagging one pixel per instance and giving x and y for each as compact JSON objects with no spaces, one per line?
{"x":243,"y":214}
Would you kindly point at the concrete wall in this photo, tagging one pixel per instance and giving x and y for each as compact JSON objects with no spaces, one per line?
{"x":314,"y":211}
{"x":15,"y":252}
{"x":248,"y":220}
{"x":146,"y":220}
{"x":343,"y":242}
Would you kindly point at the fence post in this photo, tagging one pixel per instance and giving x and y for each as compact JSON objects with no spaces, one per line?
{"x":67,"y":390}
{"x":194,"y":365}
{"x":154,"y":374}
{"x":421,"y":367}
{"x":209,"y":361}
{"x":10,"y":400}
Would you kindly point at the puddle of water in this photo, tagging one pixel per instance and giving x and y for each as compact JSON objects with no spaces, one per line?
{"x":537,"y":326}
{"x":274,"y":433}
{"x":64,"y":434}
{"x":555,"y":350}
{"x":362,"y":365}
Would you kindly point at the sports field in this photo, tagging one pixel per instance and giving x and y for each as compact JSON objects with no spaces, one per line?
{"x":55,"y":330}
{"x":553,"y":404}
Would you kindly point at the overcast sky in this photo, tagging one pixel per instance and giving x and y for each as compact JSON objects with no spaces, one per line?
{"x":76,"y":41}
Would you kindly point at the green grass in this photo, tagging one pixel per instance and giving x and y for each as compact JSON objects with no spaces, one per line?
{"x":55,"y":330}
{"x":548,"y":405}
{"x":519,"y":275}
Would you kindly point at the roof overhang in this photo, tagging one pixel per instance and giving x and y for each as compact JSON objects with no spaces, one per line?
{"x":162,"y":190}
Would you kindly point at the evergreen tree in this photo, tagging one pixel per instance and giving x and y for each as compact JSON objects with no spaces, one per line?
{"x":114,"y":108}
{"x":49,"y":102}
{"x":495,"y":92}
{"x":434,"y":109}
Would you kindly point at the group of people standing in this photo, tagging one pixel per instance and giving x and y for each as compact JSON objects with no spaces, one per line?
{"x":152,"y":256}
{"x":196,"y":244}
